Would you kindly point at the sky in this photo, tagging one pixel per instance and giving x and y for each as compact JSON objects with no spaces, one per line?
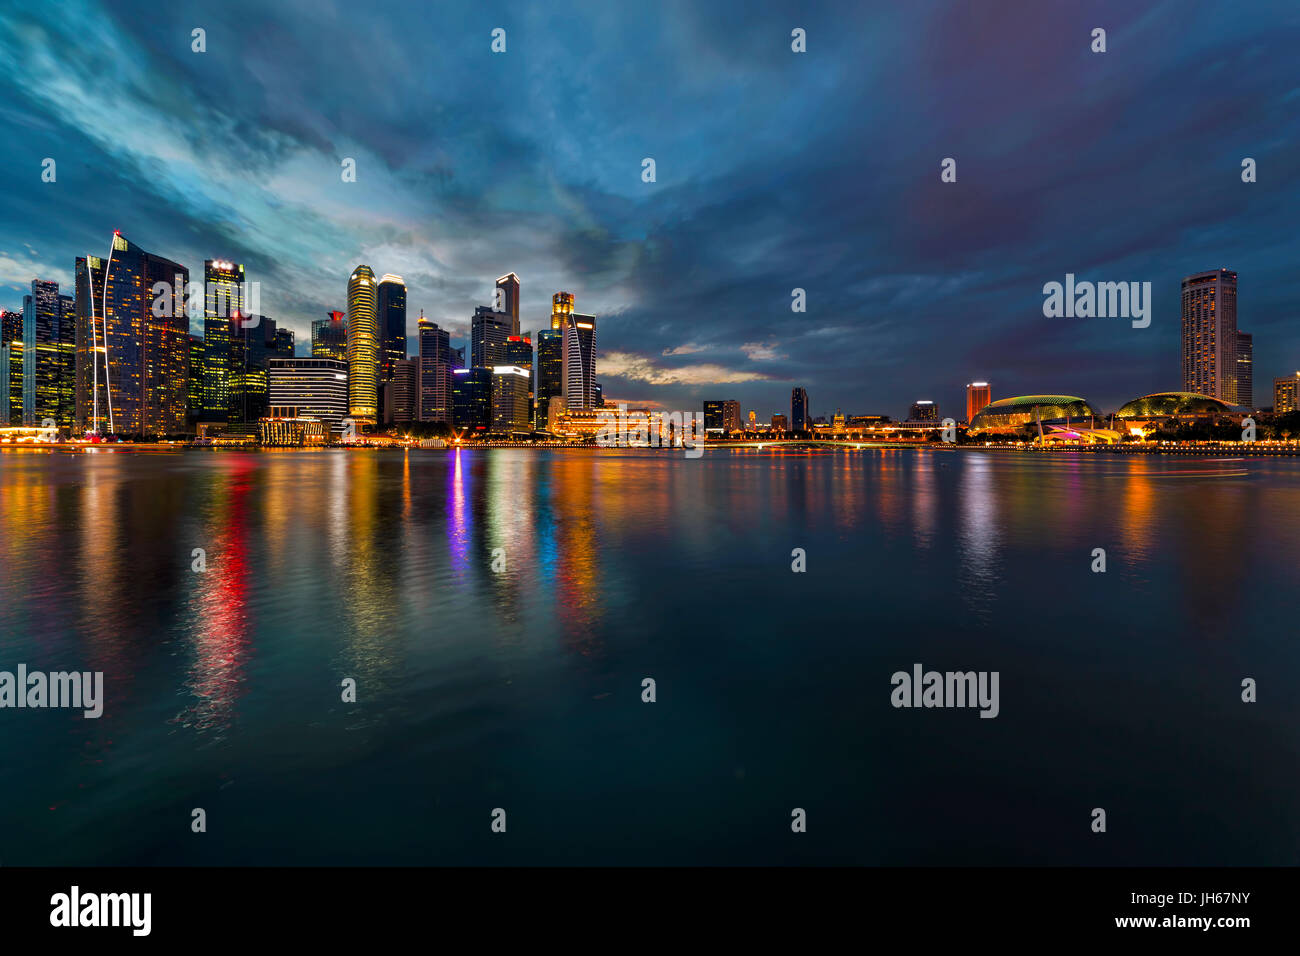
{"x":774,"y":171}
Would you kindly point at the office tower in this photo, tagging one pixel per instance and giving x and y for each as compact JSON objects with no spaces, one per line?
{"x":519,"y":351}
{"x":978,"y":394}
{"x":253,"y":343}
{"x":143,"y":338}
{"x":548,"y":372}
{"x":579,"y":360}
{"x":561,"y":309}
{"x":11,"y":368}
{"x":600,"y":395}
{"x":329,"y":337}
{"x":1209,"y":320}
{"x":508,"y":299}
{"x":194,"y":387}
{"x":318,"y":387}
{"x":434,"y":380}
{"x":223,"y":299}
{"x":363,"y":347}
{"x":391,"y":303}
{"x":780,"y":423}
{"x":488,"y":333}
{"x":510,"y":399}
{"x":1245,"y":369}
{"x":1286,"y":394}
{"x":49,"y":356}
{"x":924,"y":410}
{"x":400,"y":393}
{"x":472,"y":399}
{"x":722,"y":415}
{"x":800,"y":413}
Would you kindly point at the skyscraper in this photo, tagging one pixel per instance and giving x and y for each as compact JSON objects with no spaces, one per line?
{"x":548,"y":367}
{"x":519,"y":351}
{"x":472,"y":399}
{"x":488,"y":333}
{"x":1245,"y":369}
{"x":401,"y":393}
{"x":510,"y":400}
{"x":329,"y":337}
{"x":978,"y":394}
{"x":223,"y":301}
{"x":1209,"y":320}
{"x":194,"y":387}
{"x":254,"y":342}
{"x":363,"y":347}
{"x":49,"y":356}
{"x":924,"y":410}
{"x":722,"y":416}
{"x":508,"y":299}
{"x":391,"y":302}
{"x":318,"y":387}
{"x":11,"y":368}
{"x":143,"y":336}
{"x":436,"y":363}
{"x":800,"y":413}
{"x":579,"y":354}
{"x":1286,"y":394}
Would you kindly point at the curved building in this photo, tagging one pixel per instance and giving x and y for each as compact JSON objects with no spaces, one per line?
{"x":1009,"y":415}
{"x":1173,"y":405}
{"x":363,"y":347}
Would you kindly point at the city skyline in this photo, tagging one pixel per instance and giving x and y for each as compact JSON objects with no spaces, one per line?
{"x":940,"y":286}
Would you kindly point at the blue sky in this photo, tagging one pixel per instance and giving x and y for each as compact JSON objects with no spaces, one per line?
{"x":775,"y":170}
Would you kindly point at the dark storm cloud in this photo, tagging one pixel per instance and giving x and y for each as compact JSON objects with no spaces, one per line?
{"x":775,"y":171}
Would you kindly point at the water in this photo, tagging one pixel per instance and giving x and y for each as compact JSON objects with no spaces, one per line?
{"x":522,"y":689}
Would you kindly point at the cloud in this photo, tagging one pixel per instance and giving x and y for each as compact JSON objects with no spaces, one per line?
{"x":761,"y":351}
{"x":636,"y":368}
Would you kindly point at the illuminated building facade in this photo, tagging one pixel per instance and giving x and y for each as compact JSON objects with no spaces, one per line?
{"x":471,"y":396}
{"x":1245,"y":369}
{"x":401,"y":394}
{"x":924,"y":410}
{"x":11,"y":368}
{"x":978,"y":394}
{"x":1209,"y":334}
{"x":721,"y":417}
{"x":363,"y":347}
{"x":780,"y":423}
{"x":143,"y":380}
{"x":329,"y":337}
{"x":548,"y":378}
{"x":194,"y":387}
{"x":317,"y":387}
{"x":508,"y":299}
{"x":800,"y":413}
{"x":1286,"y":394}
{"x":223,"y":299}
{"x":1009,"y":415}
{"x":391,"y":303}
{"x":511,"y":403}
{"x":253,"y":343}
{"x":49,"y":356}
{"x":289,"y":427}
{"x":488,"y":333}
{"x":579,"y":360}
{"x":436,"y":363}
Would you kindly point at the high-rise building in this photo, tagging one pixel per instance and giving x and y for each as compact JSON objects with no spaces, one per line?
{"x":548,"y":370}
{"x":508,"y":299}
{"x":472,"y":399}
{"x":1209,"y":320}
{"x":800,"y":413}
{"x":254,"y":342}
{"x":11,"y":368}
{"x":519,"y":351}
{"x":924,"y":410}
{"x":488,"y":333}
{"x":1286,"y":394}
{"x":329,"y":337}
{"x":194,"y":388}
{"x":1245,"y":369}
{"x":49,"y":356}
{"x":579,"y":354}
{"x":561,"y":308}
{"x":780,"y":423}
{"x":401,"y":394}
{"x":317,"y":386}
{"x":391,"y":302}
{"x":978,"y":394}
{"x":223,"y":301}
{"x":722,"y":416}
{"x":436,"y":363}
{"x":363,"y":347}
{"x":141,"y":387}
{"x":600,"y":395}
{"x":510,"y":399}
